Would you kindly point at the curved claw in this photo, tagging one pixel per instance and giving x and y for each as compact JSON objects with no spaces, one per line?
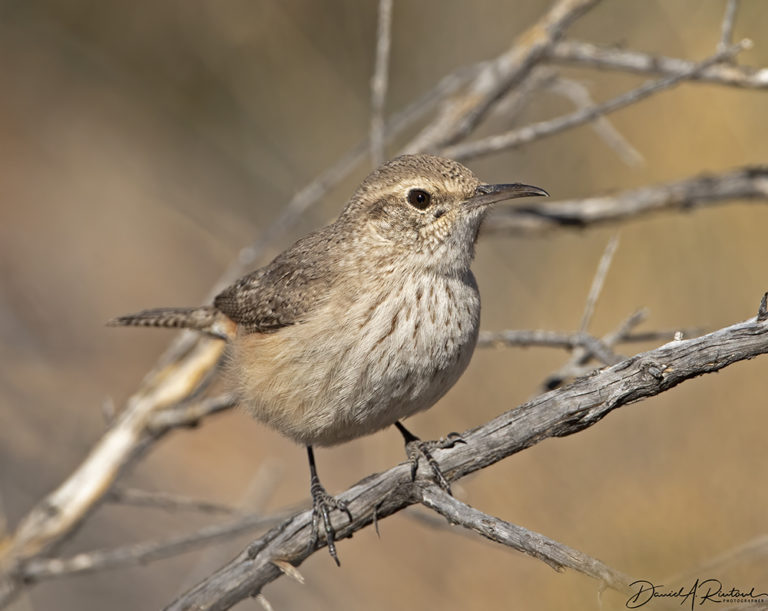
{"x":450,"y":440}
{"x":418,"y":449}
{"x":322,"y":505}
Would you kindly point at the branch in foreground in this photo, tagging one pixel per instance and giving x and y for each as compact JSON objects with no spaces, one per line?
{"x":555,"y":554}
{"x":625,"y":60}
{"x":749,"y":182}
{"x":554,"y":414}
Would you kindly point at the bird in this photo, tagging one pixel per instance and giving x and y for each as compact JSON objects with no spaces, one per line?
{"x":362,"y":323}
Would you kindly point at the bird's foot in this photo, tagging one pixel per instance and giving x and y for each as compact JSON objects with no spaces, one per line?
{"x":418,"y":449}
{"x":322,"y":505}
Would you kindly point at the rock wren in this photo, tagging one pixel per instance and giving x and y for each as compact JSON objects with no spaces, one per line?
{"x":362,"y":323}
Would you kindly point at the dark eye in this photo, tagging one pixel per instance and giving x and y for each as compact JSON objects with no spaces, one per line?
{"x":419,"y":199}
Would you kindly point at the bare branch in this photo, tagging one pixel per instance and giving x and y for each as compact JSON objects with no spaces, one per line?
{"x":555,"y":554}
{"x":140,"y":553}
{"x":599,"y":348}
{"x":553,"y":414}
{"x":461,"y":115}
{"x":189,"y":414}
{"x":626,"y":60}
{"x":726,"y":28}
{"x":552,"y":339}
{"x":597,"y":282}
{"x":164,"y":500}
{"x":518,"y":137}
{"x":749,"y":182}
{"x":621,"y":333}
{"x":380,"y":80}
{"x":75,"y":497}
{"x":577,"y":364}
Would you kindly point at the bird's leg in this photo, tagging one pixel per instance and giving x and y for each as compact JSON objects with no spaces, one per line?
{"x":417,"y":449}
{"x":322,"y":505}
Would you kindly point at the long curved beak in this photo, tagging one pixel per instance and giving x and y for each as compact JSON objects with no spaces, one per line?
{"x":485,"y":195}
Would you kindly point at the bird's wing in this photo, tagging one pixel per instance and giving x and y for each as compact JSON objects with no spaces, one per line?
{"x":284,"y":292}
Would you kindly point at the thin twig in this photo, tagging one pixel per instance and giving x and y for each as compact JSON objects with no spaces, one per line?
{"x":189,"y":414}
{"x":165,"y":500}
{"x":584,"y":353}
{"x":627,"y":60}
{"x":577,"y":364}
{"x":552,"y":339}
{"x":555,"y":554}
{"x":726,"y":28}
{"x":140,"y":553}
{"x":598,"y":281}
{"x":621,"y":333}
{"x":380,"y":80}
{"x":536,"y":131}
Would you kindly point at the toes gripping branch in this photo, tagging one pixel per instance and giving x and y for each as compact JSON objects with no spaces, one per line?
{"x":322,"y":505}
{"x":416,"y":449}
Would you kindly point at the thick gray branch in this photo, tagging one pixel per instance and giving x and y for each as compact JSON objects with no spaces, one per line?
{"x":557,"y":413}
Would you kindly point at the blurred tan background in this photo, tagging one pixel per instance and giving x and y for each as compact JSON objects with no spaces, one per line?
{"x":142,"y":144}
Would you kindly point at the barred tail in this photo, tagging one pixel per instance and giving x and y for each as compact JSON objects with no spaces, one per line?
{"x":206,"y":319}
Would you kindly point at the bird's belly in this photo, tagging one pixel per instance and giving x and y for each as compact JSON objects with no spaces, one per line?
{"x":351,"y":371}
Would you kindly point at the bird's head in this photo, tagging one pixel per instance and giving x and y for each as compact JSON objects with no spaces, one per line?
{"x":429,"y":207}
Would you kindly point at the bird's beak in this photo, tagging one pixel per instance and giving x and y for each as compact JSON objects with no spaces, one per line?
{"x":486,"y":195}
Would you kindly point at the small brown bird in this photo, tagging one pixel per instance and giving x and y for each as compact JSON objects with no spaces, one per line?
{"x":362,"y":323}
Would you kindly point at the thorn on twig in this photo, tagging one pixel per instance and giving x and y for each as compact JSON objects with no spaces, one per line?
{"x":762,"y":311}
{"x":108,"y":411}
{"x":263,"y":602}
{"x":288,"y":569}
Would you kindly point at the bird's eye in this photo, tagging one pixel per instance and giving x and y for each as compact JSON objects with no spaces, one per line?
{"x":419,"y":199}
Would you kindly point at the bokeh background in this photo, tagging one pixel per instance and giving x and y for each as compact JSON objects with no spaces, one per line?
{"x":142,"y":144}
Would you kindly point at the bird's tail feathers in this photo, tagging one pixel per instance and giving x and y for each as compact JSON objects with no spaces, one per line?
{"x":206,"y":319}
